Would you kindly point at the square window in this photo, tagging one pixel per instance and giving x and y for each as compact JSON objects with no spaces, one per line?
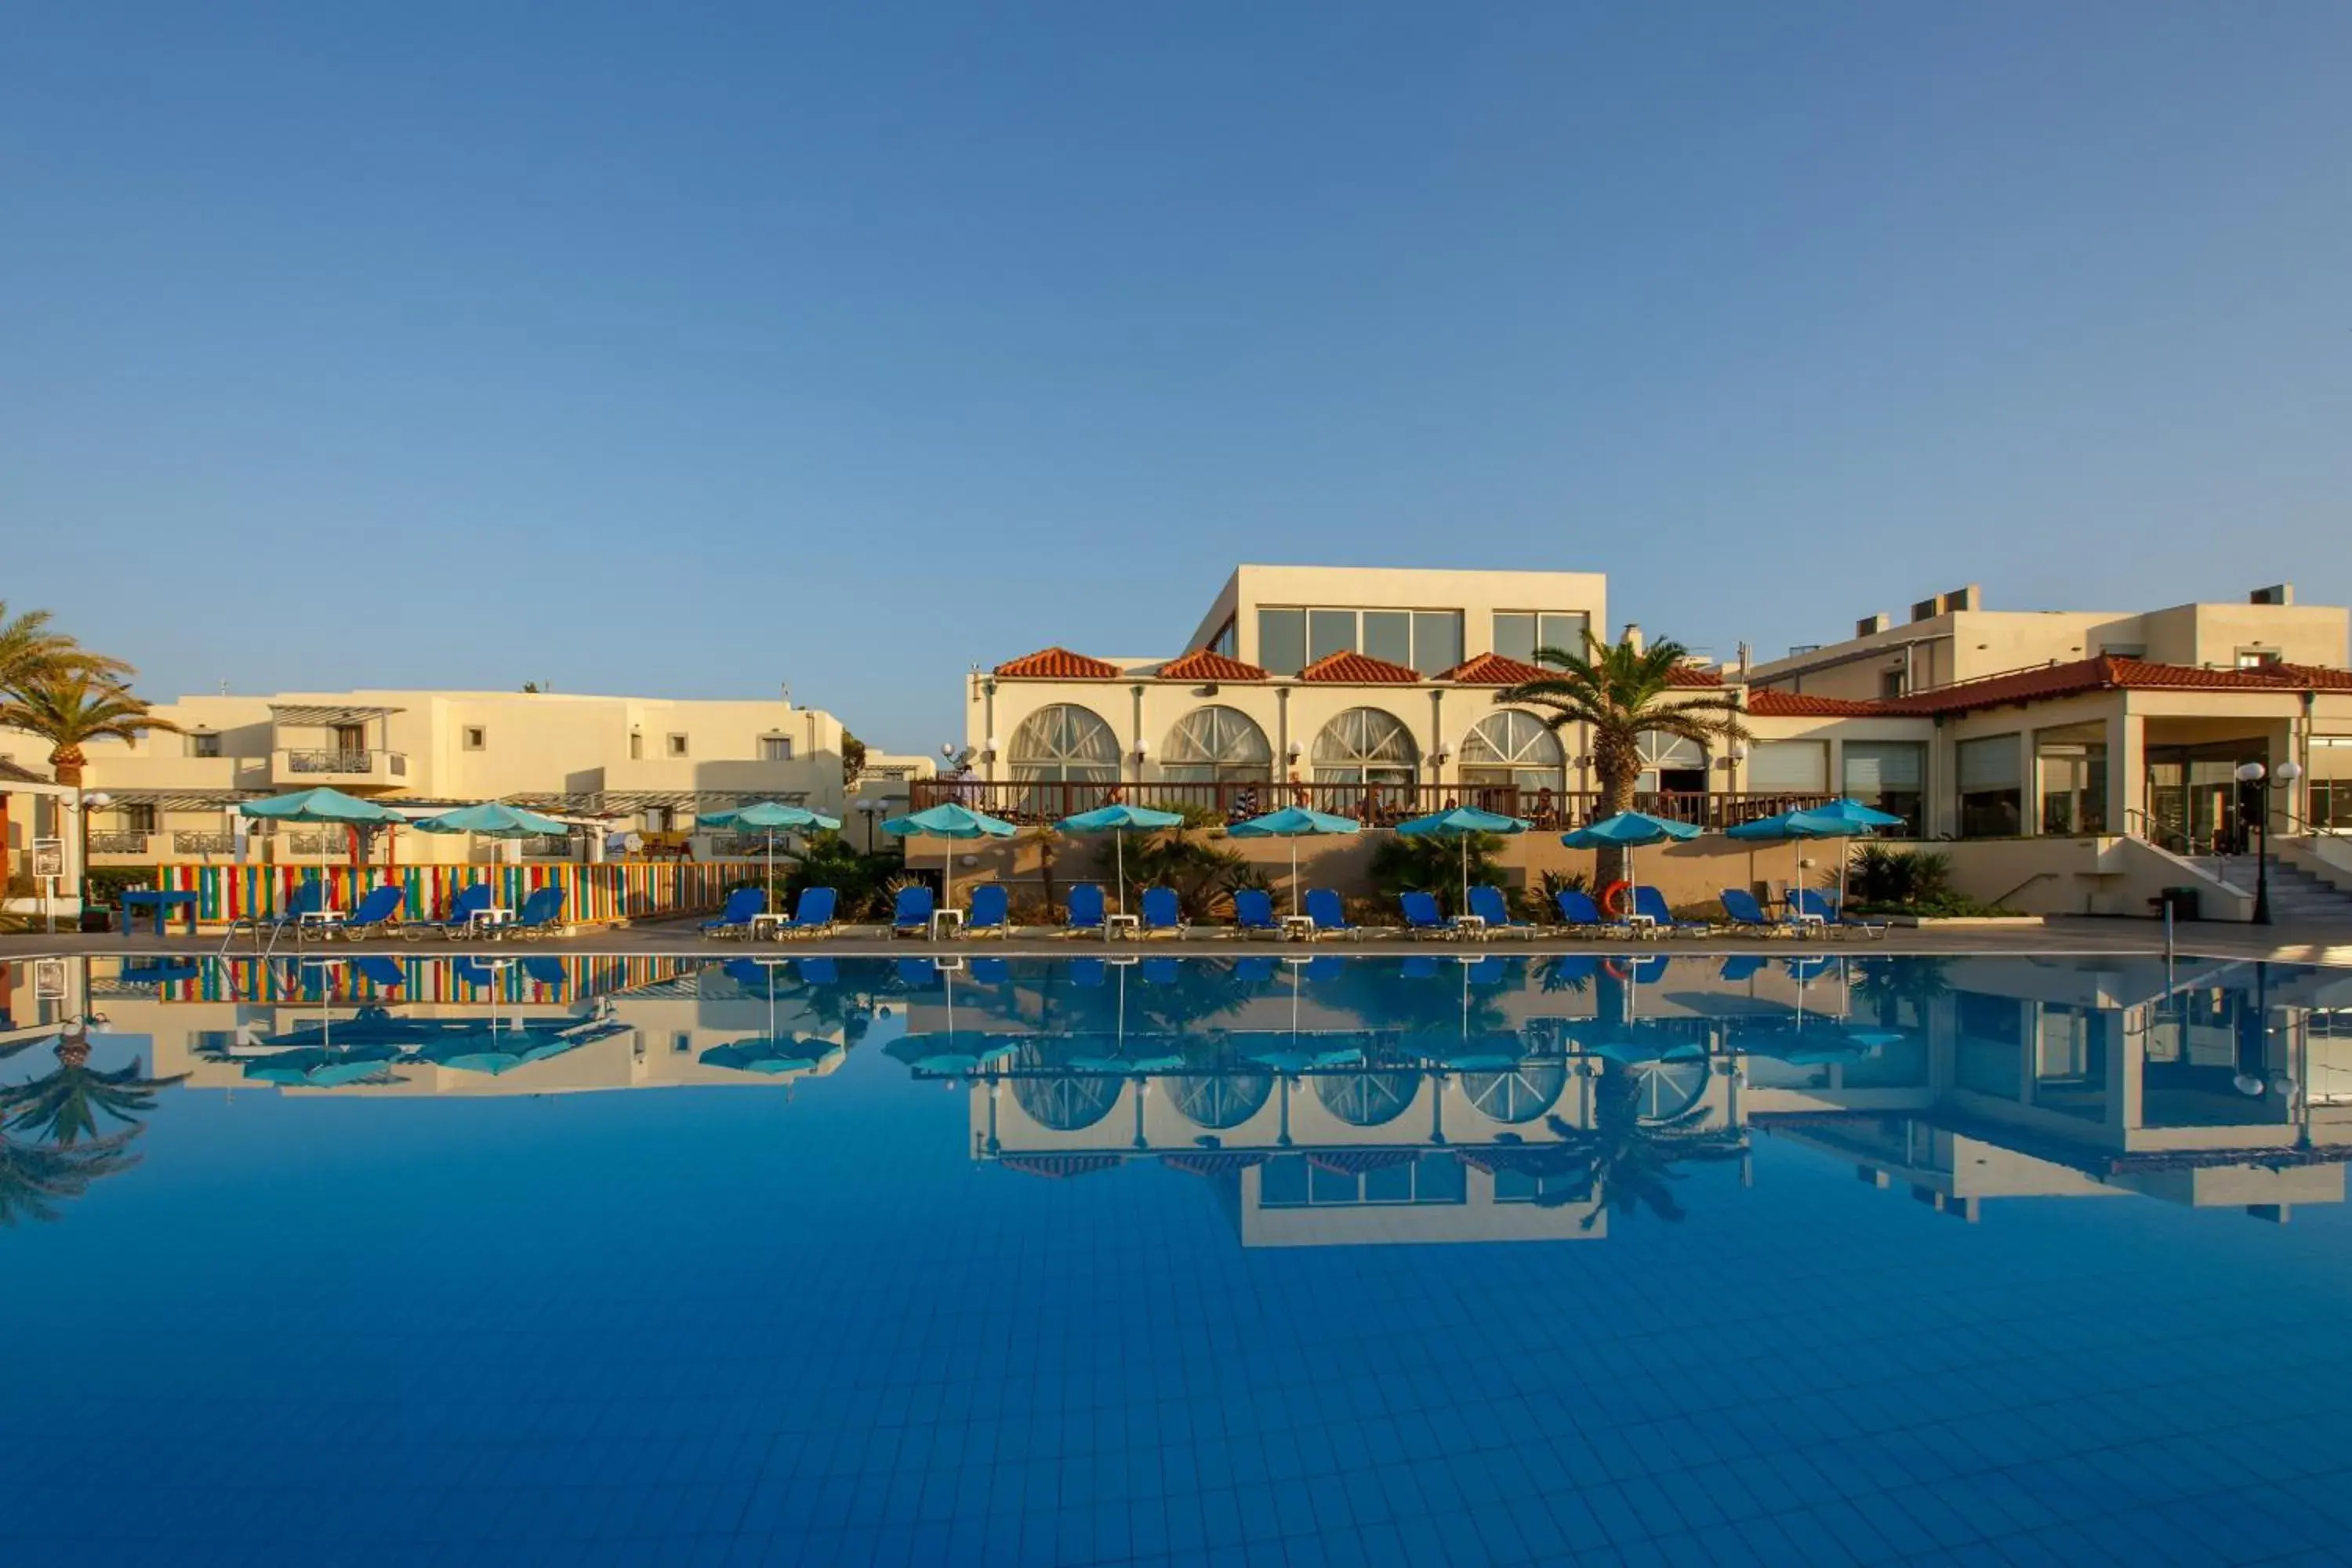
{"x":203,"y":743}
{"x":1388,"y":635}
{"x":1515,"y":634}
{"x":476,"y":737}
{"x":1282,"y":641}
{"x":636,"y":747}
{"x":1436,"y":640}
{"x":1329,"y":632}
{"x":677,"y":745}
{"x":776,"y":748}
{"x":681,"y":1042}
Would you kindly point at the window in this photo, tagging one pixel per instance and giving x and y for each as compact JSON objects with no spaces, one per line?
{"x":2256,"y":657}
{"x":1226,"y":639}
{"x":776,"y":748}
{"x":1426,"y":641}
{"x":2074,"y":780}
{"x":1513,"y":747}
{"x":1063,"y":744}
{"x":680,"y":1042}
{"x":1889,"y":776}
{"x":1890,"y":684}
{"x":676,"y":746}
{"x":1518,"y":633}
{"x":2331,"y":781}
{"x":1671,"y":765}
{"x":1217,"y":746}
{"x":476,"y":737}
{"x":203,"y":743}
{"x":1282,"y":641}
{"x":139,"y":817}
{"x":1366,"y":746}
{"x":658,"y":819}
{"x":1992,"y":797}
{"x":1789,"y":768}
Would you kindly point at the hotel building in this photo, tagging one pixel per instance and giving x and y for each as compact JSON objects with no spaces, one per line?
{"x":1370,"y":693}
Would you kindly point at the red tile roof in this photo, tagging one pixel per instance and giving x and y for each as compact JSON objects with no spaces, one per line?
{"x":2106,"y":672}
{"x":1494,"y":669}
{"x":1802,"y":705}
{"x":1693,"y":675}
{"x":1207,"y":664}
{"x":1057,"y":664}
{"x":1357,"y":669}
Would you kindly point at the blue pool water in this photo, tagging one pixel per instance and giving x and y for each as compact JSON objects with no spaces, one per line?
{"x":1243,"y":1260}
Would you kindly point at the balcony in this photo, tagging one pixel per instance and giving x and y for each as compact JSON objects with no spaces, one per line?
{"x":298,"y":768}
{"x":119,"y":843}
{"x":185,"y":842}
{"x":1375,"y":806}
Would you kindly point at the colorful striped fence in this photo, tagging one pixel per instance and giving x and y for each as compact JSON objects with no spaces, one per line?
{"x":594,"y":895}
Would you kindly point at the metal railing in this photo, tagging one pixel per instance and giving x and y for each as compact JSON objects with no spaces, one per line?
{"x":118,"y":843}
{"x":1375,"y":805}
{"x":333,"y":841}
{"x":566,"y":848}
{"x":333,"y":762}
{"x":187,"y":842}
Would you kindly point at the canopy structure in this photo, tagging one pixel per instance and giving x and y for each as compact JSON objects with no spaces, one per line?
{"x":1461,"y":823}
{"x":1119,"y":821}
{"x":1627,"y":830}
{"x":770,"y":817}
{"x":1293,"y":823}
{"x":949,"y":821}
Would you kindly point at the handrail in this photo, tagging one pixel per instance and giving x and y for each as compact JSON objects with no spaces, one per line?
{"x":2005,"y":899}
{"x":2154,"y":833}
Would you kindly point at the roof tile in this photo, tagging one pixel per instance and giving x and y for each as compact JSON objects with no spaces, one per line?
{"x":1357,"y":669}
{"x":1495,"y":670}
{"x":1207,"y":664}
{"x":1057,"y":664}
{"x":1803,"y":705}
{"x":2109,"y":672}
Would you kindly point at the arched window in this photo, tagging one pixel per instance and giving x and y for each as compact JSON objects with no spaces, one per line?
{"x":1671,"y":764}
{"x":1513,"y":747}
{"x":1221,"y":1102}
{"x":1063,"y":744}
{"x":1367,"y":1099}
{"x":1217,"y":746}
{"x":1366,"y":746}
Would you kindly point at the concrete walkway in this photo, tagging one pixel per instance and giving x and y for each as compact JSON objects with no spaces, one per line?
{"x":2322,"y":944}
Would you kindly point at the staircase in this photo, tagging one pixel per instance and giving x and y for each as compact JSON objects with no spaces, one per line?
{"x":2296,"y":896}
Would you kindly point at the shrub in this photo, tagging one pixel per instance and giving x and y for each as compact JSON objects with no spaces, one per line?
{"x":1401,"y":865}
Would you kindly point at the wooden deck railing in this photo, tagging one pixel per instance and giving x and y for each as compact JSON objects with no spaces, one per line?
{"x":1375,"y":805}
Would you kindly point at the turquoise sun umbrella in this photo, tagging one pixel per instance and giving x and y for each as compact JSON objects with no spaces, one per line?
{"x":770,"y":817}
{"x":1293,"y":823}
{"x":321,"y":806}
{"x":949,"y":821}
{"x":1119,"y":821}
{"x":1797,"y":828}
{"x":1628,"y":830}
{"x":1461,"y":823}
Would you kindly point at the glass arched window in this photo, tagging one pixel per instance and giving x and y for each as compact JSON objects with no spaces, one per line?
{"x":1367,"y":1099}
{"x":1063,"y":744}
{"x":1219,"y":1101}
{"x":1671,"y":764}
{"x":1513,"y":747}
{"x":1365,"y":745}
{"x":1217,"y":746}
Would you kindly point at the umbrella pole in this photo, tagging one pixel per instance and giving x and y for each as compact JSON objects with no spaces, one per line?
{"x":1464,"y":906}
{"x":1119,"y":856}
{"x":1294,"y":873}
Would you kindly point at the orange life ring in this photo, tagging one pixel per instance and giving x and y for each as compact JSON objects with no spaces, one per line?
{"x":1613,"y":897}
{"x":1615,"y":970}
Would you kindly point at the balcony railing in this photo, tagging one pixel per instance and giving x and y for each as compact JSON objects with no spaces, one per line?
{"x":331,"y":841}
{"x":118,"y":843}
{"x":394,"y":763}
{"x":552,"y":849}
{"x":1375,"y":805}
{"x":185,"y":842}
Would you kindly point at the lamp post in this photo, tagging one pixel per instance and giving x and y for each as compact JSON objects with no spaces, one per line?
{"x":81,"y":805}
{"x":2257,"y":774}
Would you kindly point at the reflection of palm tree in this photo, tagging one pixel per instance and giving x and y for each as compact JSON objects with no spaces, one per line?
{"x":64,"y":1107}
{"x":35,"y":1177}
{"x":1888,"y":984}
{"x":1631,"y":1161}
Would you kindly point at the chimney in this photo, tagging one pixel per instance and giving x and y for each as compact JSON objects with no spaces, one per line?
{"x":1746,"y":657}
{"x":2276,"y":593}
{"x":1633,"y":635}
{"x":1871,"y":625}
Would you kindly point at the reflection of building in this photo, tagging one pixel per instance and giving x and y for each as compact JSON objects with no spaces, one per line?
{"x":571,"y":1023}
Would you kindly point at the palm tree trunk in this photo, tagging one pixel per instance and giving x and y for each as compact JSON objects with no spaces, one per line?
{"x":1616,"y":795}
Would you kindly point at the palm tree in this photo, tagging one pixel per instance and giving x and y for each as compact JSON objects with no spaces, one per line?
{"x":30,"y":651}
{"x":1619,"y":692}
{"x":68,"y":707}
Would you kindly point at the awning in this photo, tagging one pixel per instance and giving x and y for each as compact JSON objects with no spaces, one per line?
{"x":185,"y":799}
{"x":325,"y":713}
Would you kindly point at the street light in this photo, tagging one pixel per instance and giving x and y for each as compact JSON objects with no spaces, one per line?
{"x":2255,"y":774}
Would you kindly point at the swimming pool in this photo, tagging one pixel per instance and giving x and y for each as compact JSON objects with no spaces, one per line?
{"x":1252,"y":1258}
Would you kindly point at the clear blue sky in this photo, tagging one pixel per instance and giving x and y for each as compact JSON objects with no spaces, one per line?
{"x":692,"y":349}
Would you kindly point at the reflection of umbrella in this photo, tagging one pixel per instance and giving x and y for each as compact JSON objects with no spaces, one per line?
{"x":770,"y":817}
{"x":770,"y":1056}
{"x":1293,"y":823}
{"x":494,"y":1053}
{"x":321,"y":1068}
{"x":1119,"y":821}
{"x":1626,"y":830}
{"x":949,"y":821}
{"x":1461,"y":823}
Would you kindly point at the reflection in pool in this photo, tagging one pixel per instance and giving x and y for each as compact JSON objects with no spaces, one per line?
{"x":1105,"y":1260}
